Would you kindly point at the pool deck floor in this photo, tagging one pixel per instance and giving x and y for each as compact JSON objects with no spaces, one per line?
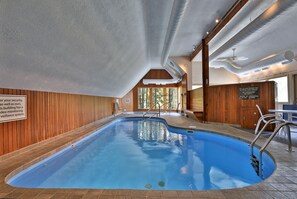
{"x":281,"y":184}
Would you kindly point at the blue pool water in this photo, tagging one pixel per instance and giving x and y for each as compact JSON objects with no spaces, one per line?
{"x":147,"y":154}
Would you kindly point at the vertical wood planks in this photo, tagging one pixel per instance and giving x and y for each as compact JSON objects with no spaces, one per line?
{"x":225,"y":106}
{"x":50,"y":114}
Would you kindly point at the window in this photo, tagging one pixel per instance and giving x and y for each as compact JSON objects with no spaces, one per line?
{"x":171,"y":98}
{"x":282,"y":88}
{"x":167,"y":98}
{"x":158,"y":97}
{"x":143,"y":98}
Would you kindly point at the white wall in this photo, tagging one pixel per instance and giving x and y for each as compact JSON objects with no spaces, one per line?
{"x":216,"y":76}
{"x":186,"y":65}
{"x":274,"y":71}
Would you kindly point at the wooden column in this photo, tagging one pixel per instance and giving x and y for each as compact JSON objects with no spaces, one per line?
{"x":205,"y":78}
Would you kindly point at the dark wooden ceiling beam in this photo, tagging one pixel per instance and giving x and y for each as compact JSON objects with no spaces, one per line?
{"x":205,"y":78}
{"x":223,"y":22}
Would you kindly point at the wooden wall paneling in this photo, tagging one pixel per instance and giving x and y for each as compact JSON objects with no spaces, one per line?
{"x":211,"y":98}
{"x":81,"y":107}
{"x":6,"y":132}
{"x":1,"y":131}
{"x":135,"y":98}
{"x":86,"y":108}
{"x":60,"y":113}
{"x":14,"y":128}
{"x":63,"y":113}
{"x":30,"y":133}
{"x":43,"y":114}
{"x":101,"y":109}
{"x":9,"y":129}
{"x":50,"y":114}
{"x":226,"y":107}
{"x":128,"y":106}
{"x":32,"y":119}
{"x":90,"y":110}
{"x":157,"y":74}
{"x":95,"y":108}
{"x":236,"y":113}
{"x":75,"y":100}
{"x":24,"y":126}
{"x":38,"y":104}
{"x":72,"y":113}
{"x":17,"y":127}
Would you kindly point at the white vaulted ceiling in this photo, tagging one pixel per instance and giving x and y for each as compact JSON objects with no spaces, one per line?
{"x":261,"y":30}
{"x":104,"y":47}
{"x":93,"y":47}
{"x":89,"y":47}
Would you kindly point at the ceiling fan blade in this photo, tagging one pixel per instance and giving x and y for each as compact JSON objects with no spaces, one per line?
{"x":223,"y":58}
{"x":232,"y":58}
{"x":241,"y":58}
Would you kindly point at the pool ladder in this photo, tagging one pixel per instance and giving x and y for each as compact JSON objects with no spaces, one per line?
{"x":257,"y":163}
{"x":156,"y":113}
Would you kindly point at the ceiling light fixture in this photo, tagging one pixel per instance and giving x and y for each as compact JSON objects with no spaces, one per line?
{"x":194,"y":47}
{"x":217,"y":20}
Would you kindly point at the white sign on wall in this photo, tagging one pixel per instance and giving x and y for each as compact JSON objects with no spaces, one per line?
{"x":13,"y":107}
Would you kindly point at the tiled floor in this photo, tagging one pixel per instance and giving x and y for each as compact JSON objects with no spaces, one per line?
{"x":282,"y":184}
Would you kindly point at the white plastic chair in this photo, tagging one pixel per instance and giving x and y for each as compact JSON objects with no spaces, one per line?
{"x":120,"y":108}
{"x":265,"y":118}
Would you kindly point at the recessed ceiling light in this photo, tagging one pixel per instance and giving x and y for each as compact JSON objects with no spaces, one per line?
{"x":207,"y":32}
{"x":217,"y":20}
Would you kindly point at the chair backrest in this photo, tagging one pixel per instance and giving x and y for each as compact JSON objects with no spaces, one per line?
{"x":261,"y":114}
{"x":289,"y":107}
{"x":117,"y":105}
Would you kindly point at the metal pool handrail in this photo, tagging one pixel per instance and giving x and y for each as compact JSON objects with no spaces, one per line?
{"x":257,"y":164}
{"x":159,"y":110}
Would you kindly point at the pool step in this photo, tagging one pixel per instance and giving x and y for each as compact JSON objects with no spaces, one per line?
{"x":255,"y":164}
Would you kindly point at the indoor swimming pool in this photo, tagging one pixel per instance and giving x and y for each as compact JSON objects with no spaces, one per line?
{"x":147,"y":154}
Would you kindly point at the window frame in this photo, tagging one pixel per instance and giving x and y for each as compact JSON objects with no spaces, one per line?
{"x":278,"y":90}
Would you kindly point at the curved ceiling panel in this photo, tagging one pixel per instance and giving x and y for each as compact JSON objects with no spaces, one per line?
{"x":87,"y":47}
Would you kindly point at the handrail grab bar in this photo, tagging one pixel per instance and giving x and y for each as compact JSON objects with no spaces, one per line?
{"x":287,"y":125}
{"x":149,"y":110}
{"x":260,"y":133}
{"x":159,"y":108}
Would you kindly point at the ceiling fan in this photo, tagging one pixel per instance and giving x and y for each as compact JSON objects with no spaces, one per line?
{"x":232,"y":58}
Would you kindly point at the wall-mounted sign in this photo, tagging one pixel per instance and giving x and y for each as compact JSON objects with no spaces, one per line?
{"x":249,"y":93}
{"x":13,"y":107}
